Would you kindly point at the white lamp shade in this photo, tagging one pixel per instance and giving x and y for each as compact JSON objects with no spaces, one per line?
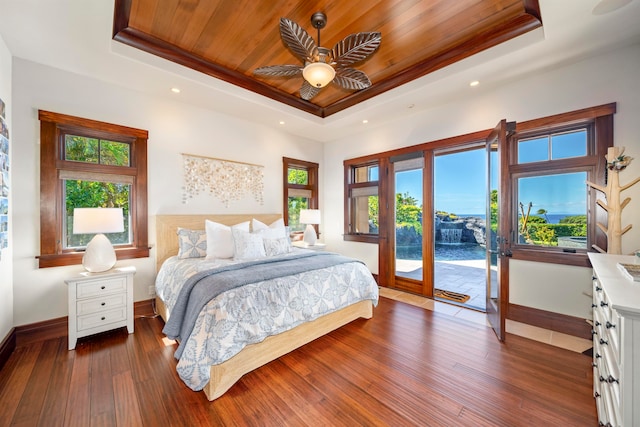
{"x":97,"y":220}
{"x":318,"y":74}
{"x":309,"y":216}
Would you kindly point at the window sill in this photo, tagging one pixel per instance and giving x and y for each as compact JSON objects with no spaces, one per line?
{"x":75,"y":258}
{"x":364,"y":238}
{"x":578,"y":259}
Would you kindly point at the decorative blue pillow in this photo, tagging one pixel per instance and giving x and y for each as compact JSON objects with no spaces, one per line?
{"x":192,"y":243}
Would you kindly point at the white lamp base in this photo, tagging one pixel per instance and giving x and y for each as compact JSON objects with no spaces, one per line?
{"x":310,"y":237}
{"x":99,"y":255}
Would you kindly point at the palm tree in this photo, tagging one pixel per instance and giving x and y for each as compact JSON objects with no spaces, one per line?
{"x":543,"y":212}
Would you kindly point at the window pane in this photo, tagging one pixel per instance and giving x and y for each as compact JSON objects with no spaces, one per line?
{"x":533,"y":150}
{"x":572,"y":144}
{"x":81,"y":149}
{"x":297,"y":176}
{"x":95,"y":194}
{"x":92,"y":150}
{"x":366,"y":173}
{"x":365,"y":214}
{"x":295,"y":204}
{"x":552,"y":210}
{"x":114,"y":153}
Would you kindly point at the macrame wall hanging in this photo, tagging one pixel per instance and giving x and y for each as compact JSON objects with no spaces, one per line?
{"x":224,"y":179}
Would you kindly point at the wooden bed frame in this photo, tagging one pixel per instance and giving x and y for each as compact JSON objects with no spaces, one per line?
{"x":224,"y":375}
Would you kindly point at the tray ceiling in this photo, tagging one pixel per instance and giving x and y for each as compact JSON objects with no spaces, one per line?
{"x":228,"y":39}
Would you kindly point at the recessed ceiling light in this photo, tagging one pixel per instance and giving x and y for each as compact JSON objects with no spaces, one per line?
{"x":474,"y":83}
{"x":175,"y":90}
{"x":365,"y":121}
{"x":281,"y":122}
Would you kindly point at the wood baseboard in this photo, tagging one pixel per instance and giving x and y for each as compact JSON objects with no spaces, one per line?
{"x":569,"y":325}
{"x":7,"y":346}
{"x":56,"y":328}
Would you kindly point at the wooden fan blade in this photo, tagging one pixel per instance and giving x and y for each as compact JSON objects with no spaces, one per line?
{"x":298,"y":40}
{"x":355,"y":48}
{"x":351,"y":79}
{"x":307,"y":91}
{"x":279,"y":70}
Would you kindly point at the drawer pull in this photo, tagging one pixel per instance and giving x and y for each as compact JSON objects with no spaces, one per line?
{"x":598,"y":323}
{"x":598,"y":288}
{"x":610,"y":325}
{"x":102,"y":318}
{"x":593,"y":332}
{"x":102,"y":287}
{"x":594,"y":365}
{"x":593,"y":305}
{"x":612,"y":380}
{"x":103,"y":304}
{"x":602,"y":379}
{"x":598,"y":356}
{"x":604,"y":304}
{"x":597,"y":395}
{"x":603,"y":342}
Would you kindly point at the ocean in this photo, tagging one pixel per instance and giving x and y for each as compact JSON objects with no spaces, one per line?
{"x":552,"y":218}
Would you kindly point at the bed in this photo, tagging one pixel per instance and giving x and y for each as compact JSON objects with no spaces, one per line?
{"x":214,"y":368}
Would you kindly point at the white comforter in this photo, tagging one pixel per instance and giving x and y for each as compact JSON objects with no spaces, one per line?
{"x":251,"y":313}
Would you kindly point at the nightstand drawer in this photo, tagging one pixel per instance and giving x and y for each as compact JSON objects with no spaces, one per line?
{"x":103,"y":318}
{"x":101,"y":287}
{"x":93,"y":305}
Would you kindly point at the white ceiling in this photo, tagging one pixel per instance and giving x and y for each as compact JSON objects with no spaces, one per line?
{"x":75,"y":35}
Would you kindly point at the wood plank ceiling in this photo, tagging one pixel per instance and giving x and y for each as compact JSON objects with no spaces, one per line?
{"x":228,"y":39}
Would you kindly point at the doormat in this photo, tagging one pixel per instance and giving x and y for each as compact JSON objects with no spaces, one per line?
{"x":450,"y":295}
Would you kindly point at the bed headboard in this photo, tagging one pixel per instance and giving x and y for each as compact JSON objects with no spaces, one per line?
{"x":167,"y":228}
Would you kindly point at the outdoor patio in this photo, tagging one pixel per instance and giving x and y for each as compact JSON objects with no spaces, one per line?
{"x":462,"y":276}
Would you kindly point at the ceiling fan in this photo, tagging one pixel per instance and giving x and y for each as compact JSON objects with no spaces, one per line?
{"x":322,"y":65}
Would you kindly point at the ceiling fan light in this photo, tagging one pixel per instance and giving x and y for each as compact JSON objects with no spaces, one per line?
{"x":318,"y":74}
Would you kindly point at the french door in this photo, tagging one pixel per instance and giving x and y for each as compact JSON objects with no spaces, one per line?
{"x":497,"y":229}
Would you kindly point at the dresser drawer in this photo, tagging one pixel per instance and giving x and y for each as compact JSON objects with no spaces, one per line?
{"x":90,"y":321}
{"x":105,"y":286}
{"x":106,"y":303}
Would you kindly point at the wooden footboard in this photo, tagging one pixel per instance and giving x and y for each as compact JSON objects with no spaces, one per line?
{"x":224,"y":375}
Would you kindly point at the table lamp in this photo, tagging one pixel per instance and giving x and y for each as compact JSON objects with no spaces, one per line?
{"x":99,"y":255}
{"x":310,"y":217}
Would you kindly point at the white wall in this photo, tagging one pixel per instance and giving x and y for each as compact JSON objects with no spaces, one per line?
{"x":174,"y":128}
{"x":6,"y":266}
{"x":611,"y":77}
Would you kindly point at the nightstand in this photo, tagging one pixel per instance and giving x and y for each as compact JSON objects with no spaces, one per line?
{"x":100,"y":302}
{"x":302,"y":245}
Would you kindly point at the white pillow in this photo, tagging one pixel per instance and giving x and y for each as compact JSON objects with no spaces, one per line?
{"x":220,"y":239}
{"x":275,"y":230}
{"x":247,"y":245}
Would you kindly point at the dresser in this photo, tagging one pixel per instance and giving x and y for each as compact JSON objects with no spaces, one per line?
{"x":616,"y":341}
{"x":99,"y":302}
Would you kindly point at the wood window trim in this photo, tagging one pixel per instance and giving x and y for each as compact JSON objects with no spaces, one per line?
{"x":349,"y":184}
{"x":599,"y":120}
{"x":312,"y":184}
{"x":52,"y":125}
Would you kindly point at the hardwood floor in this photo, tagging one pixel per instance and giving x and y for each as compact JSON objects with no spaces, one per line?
{"x":406,"y":366}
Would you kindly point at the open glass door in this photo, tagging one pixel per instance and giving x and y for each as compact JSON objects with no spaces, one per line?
{"x":497,"y":228}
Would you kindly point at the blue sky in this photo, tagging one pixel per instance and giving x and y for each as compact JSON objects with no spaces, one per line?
{"x":460,"y":182}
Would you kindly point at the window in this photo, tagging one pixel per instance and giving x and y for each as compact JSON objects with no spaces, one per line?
{"x":362,"y":201}
{"x":553,"y":158}
{"x":85,"y":163}
{"x":300,"y":190}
